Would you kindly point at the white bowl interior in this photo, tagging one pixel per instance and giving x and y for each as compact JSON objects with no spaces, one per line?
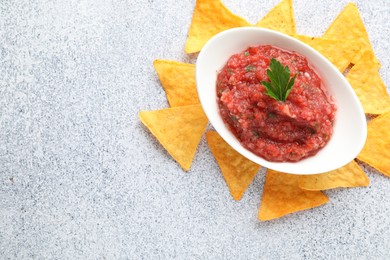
{"x":350,"y":127}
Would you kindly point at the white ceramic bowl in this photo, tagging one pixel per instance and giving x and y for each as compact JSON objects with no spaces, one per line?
{"x":350,"y":128}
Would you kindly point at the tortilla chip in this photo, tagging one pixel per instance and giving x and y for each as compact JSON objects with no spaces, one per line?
{"x":237,"y":170}
{"x":283,"y":196}
{"x":178,"y":81}
{"x":210,"y":17}
{"x":369,"y":87}
{"x":339,"y":52}
{"x":178,"y":129}
{"x":349,"y":25}
{"x":280,"y":18}
{"x":376,"y":151}
{"x":351,"y":175}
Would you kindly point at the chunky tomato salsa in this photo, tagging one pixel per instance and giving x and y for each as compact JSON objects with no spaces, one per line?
{"x":275,"y":130}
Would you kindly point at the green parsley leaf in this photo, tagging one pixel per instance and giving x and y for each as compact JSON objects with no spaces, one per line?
{"x":280,"y":83}
{"x":246,"y":54}
{"x":250,"y":68}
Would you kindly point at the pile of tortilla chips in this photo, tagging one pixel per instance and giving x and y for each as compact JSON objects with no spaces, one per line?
{"x":180,"y":127}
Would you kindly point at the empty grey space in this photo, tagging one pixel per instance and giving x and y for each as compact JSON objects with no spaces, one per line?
{"x":82,"y":178}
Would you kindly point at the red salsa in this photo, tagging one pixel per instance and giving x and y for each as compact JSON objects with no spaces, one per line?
{"x":275,"y":130}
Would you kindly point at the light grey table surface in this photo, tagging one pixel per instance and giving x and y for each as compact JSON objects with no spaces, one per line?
{"x":81,"y":178}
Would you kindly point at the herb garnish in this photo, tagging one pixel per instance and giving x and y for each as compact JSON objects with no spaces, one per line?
{"x":280,"y":82}
{"x":250,"y":68}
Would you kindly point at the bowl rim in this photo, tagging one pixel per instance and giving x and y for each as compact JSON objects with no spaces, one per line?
{"x":287,"y":167}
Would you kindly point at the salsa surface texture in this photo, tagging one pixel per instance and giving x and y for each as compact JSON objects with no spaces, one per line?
{"x":274,"y":130}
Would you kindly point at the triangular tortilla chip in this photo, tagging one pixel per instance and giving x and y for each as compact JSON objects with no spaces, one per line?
{"x":178,"y":81}
{"x":178,"y":129}
{"x":282,"y":196}
{"x":349,"y":25}
{"x":280,"y":18}
{"x":237,"y":170}
{"x":339,"y":52}
{"x":209,"y":18}
{"x":376,"y":151}
{"x":351,"y":175}
{"x":369,"y":87}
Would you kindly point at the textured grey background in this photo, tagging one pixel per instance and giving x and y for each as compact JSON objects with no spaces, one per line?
{"x":81,"y":178}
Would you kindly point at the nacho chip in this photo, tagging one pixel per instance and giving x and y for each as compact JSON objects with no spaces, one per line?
{"x":349,"y":25}
{"x":282,"y":196}
{"x":351,"y":175}
{"x":209,"y":18}
{"x":178,"y":129}
{"x":376,"y":151}
{"x":339,"y":52}
{"x":237,"y":170}
{"x":178,"y":81}
{"x":369,"y":87}
{"x":280,"y":18}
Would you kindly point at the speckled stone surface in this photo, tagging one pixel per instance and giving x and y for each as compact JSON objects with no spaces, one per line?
{"x":81,"y":178}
